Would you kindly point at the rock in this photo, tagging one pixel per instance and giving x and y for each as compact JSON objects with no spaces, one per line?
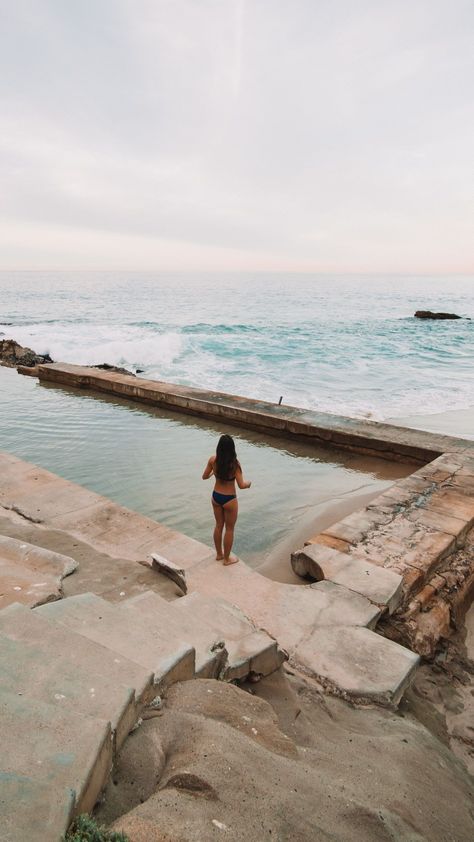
{"x":117,"y":369}
{"x":428,"y":314}
{"x":12,"y":354}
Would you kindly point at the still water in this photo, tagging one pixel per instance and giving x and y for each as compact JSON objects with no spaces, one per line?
{"x":152,"y":462}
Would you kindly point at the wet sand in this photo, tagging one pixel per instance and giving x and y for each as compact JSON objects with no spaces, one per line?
{"x":276,"y":564}
{"x":457,"y":422}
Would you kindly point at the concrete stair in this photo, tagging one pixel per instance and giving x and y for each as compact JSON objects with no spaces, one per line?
{"x":205,"y":619}
{"x":155,"y":649}
{"x":64,"y":669}
{"x":63,"y":748}
{"x":75,"y":676}
{"x":158,"y":614}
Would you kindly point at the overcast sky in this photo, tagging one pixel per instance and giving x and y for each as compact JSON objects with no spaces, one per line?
{"x":312,"y":135}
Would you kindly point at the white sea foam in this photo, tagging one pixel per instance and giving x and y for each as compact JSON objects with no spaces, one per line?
{"x":86,"y":344}
{"x":350,"y":347}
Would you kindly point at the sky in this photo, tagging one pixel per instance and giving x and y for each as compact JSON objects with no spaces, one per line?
{"x":292,"y":135}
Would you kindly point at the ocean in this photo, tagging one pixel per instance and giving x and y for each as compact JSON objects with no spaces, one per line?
{"x":346,"y":345}
{"x":343,"y":344}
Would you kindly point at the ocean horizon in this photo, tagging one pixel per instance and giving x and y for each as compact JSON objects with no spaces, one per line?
{"x":335,"y":343}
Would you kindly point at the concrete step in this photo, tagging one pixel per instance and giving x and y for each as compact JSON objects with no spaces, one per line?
{"x":31,"y":811}
{"x":358,"y":664}
{"x":31,"y":627}
{"x":61,"y":748}
{"x":251,"y":650}
{"x":207,"y":619}
{"x":211,"y":651}
{"x":44,"y":671}
{"x":382,"y":587}
{"x":154,"y":648}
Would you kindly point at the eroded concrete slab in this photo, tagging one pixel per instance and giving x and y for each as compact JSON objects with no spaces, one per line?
{"x":30,"y":574}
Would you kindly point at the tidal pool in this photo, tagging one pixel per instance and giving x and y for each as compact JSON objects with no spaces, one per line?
{"x":152,"y":461}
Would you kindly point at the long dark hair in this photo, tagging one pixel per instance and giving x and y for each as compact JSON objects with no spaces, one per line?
{"x":226,"y":459}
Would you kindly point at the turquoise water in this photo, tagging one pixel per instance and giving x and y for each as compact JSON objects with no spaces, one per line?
{"x":152,"y":462}
{"x":340,"y":344}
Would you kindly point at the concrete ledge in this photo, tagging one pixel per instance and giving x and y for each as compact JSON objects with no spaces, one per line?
{"x":383,"y":440}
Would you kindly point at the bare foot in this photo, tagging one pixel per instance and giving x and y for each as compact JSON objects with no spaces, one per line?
{"x":231,"y":560}
{"x":219,"y":557}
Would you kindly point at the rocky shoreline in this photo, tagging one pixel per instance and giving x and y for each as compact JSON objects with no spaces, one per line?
{"x":13,"y":355}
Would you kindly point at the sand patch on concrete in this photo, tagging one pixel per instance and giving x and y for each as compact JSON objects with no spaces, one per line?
{"x":107,"y":576}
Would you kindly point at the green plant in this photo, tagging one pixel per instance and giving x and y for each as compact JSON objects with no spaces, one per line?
{"x":85,"y":829}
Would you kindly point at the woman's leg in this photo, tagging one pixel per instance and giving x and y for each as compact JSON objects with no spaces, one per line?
{"x":219,"y":516}
{"x":231,"y":510}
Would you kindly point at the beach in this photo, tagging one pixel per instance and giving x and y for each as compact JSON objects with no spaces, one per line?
{"x":458,"y":422}
{"x":150,"y":459}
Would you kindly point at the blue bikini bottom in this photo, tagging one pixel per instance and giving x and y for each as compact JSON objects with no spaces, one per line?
{"x":222,"y":499}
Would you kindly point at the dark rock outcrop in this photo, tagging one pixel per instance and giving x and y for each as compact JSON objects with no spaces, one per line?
{"x":428,"y":314}
{"x":12,"y":354}
{"x":116,"y":368}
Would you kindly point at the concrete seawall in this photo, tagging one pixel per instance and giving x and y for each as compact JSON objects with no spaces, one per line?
{"x":369,"y":437}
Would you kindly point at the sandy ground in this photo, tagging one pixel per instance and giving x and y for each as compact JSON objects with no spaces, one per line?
{"x":458,"y":422}
{"x":277,"y":565}
{"x":282,"y":762}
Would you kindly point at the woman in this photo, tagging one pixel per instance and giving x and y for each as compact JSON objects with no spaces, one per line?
{"x":226,"y":468}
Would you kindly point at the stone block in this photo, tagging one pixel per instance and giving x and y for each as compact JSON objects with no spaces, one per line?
{"x":429,"y":550}
{"x":249,"y":649}
{"x":380,"y":586}
{"x":452,"y":504}
{"x":412,"y":580}
{"x":30,"y":574}
{"x":358,"y":664}
{"x":355,"y":527}
{"x":330,"y":541}
{"x":438,"y":582}
{"x":342,"y":603}
{"x":431,"y":626}
{"x":441,"y":523}
{"x":425,"y":596}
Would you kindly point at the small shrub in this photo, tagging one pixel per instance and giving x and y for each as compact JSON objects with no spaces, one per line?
{"x":85,"y":829}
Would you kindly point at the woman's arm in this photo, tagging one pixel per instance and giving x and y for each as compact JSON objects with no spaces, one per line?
{"x":239,"y":477}
{"x":209,"y":469}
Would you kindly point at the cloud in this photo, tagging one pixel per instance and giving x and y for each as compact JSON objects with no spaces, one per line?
{"x":305,"y":135}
